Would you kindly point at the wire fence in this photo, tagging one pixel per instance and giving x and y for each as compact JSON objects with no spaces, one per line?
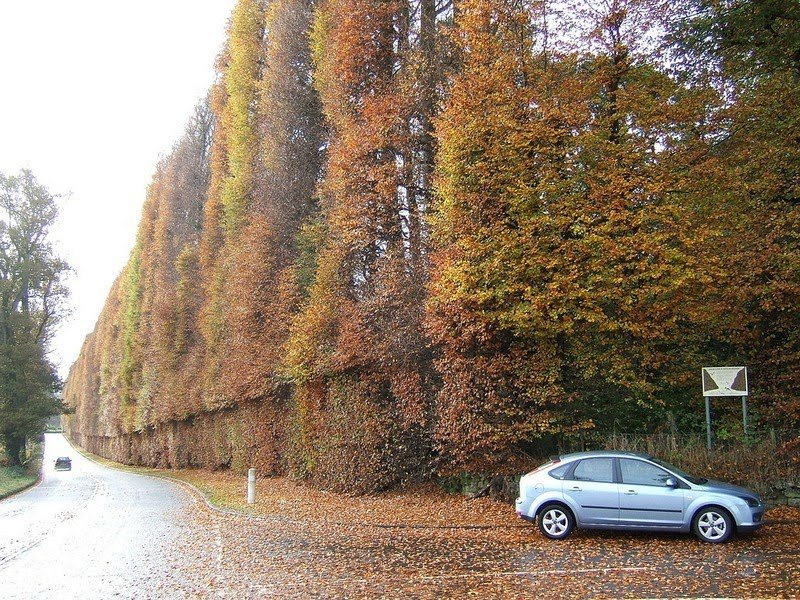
{"x":764,"y":460}
{"x":659,"y":443}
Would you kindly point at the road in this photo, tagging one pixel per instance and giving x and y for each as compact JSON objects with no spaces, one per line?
{"x":92,"y":532}
{"x":96,"y":532}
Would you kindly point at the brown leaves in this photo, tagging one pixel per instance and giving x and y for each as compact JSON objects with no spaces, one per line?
{"x":422,"y":543}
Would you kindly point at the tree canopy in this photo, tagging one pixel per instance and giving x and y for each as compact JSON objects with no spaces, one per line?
{"x":32,"y":295}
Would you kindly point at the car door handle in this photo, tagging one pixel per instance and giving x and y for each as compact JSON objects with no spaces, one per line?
{"x":575,"y":489}
{"x":631,"y":493}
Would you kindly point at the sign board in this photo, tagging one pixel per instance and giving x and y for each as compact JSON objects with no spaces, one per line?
{"x":724,"y":381}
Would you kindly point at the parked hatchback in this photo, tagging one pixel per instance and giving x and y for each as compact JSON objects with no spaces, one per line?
{"x":626,"y":490}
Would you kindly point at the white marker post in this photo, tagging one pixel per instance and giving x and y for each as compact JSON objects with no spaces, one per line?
{"x":251,"y":486}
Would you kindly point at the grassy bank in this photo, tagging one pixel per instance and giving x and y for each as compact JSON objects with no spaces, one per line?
{"x":15,"y":479}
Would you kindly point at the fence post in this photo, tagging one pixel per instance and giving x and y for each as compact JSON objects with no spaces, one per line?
{"x":251,"y":486}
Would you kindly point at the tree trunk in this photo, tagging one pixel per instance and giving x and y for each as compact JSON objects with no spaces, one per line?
{"x":14,"y":447}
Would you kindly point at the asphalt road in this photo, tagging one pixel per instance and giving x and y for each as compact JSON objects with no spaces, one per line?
{"x":91,"y":532}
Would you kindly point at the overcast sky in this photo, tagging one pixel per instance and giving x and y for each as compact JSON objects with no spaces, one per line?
{"x":93,"y":93}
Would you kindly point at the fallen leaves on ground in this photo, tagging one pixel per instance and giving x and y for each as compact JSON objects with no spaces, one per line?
{"x":421,"y":542}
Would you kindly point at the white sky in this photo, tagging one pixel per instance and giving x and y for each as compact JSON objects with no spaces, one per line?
{"x":92,"y":93}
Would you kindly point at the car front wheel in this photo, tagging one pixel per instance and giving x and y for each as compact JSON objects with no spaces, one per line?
{"x":556,"y":521}
{"x":713,"y":525}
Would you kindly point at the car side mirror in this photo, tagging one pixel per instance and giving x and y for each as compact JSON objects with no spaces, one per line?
{"x":671,"y":482}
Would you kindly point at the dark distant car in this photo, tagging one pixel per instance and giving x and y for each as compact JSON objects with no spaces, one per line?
{"x":63,"y":463}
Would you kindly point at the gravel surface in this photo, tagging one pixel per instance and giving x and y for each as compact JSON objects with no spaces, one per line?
{"x":100,"y":533}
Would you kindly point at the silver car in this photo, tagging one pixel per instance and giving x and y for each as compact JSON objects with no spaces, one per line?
{"x":626,"y":490}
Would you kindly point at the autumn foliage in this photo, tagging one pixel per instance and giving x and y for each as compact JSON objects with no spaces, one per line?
{"x":412,"y":237}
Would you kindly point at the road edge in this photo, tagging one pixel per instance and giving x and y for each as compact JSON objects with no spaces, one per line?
{"x":197,"y":493}
{"x":26,"y":487}
{"x":192,"y":490}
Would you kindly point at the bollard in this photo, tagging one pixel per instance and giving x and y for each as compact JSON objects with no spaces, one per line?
{"x":251,"y":486}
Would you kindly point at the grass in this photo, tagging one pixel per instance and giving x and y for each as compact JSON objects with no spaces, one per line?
{"x":15,"y":479}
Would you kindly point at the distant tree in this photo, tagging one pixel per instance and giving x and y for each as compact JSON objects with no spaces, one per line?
{"x":32,"y":297}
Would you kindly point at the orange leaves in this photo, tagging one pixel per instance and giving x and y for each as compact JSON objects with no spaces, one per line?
{"x":556,"y":234}
{"x":357,"y":347}
{"x":431,"y":238}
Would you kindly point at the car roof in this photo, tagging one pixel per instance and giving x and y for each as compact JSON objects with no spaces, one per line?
{"x":604,"y":453}
{"x":63,"y":458}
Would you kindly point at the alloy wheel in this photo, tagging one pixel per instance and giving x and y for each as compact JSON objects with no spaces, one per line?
{"x":712,"y":526}
{"x":555,"y":522}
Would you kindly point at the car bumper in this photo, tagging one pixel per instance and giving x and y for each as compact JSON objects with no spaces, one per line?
{"x":525,"y":517}
{"x":523,"y":506}
{"x":756,"y":520}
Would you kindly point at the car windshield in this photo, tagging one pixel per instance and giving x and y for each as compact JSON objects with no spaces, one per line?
{"x":679,"y":472}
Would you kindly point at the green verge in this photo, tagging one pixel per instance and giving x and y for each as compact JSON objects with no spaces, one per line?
{"x":15,"y":479}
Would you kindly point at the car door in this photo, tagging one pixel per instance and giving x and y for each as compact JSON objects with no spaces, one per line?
{"x":593,"y":489}
{"x":645,"y":500}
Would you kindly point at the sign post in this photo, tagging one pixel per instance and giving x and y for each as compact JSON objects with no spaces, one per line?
{"x":724,"y":382}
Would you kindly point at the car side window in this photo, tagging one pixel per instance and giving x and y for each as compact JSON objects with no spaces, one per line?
{"x":595,"y":469}
{"x":559,"y":472}
{"x":638,"y":472}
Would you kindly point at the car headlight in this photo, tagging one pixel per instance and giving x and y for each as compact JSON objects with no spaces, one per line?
{"x":751,"y":502}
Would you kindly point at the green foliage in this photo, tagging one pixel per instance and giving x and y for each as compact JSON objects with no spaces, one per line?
{"x":31,"y":304}
{"x":131,"y":319}
{"x":15,"y":479}
{"x":28,"y":395}
{"x":246,"y":31}
{"x":750,"y":38}
{"x":310,"y":239}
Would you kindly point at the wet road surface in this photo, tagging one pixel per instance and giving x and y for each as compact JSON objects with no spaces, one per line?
{"x":96,"y":532}
{"x":91,"y":532}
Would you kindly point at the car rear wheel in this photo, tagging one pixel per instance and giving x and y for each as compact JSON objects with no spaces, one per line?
{"x":713,"y":525}
{"x":556,"y":521}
